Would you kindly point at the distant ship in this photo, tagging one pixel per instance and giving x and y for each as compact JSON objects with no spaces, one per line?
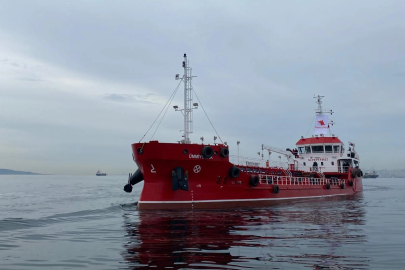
{"x":370,"y":174}
{"x":98,"y":173}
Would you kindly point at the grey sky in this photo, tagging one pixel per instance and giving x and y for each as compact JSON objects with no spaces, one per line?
{"x":82,"y":80}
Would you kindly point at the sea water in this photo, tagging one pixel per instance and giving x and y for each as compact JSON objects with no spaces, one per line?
{"x":89,"y":222}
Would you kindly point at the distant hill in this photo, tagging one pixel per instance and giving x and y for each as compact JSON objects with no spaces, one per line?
{"x":398,"y":173}
{"x":12,"y":172}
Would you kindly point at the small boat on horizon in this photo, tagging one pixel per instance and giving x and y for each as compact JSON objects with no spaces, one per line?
{"x":99,"y":173}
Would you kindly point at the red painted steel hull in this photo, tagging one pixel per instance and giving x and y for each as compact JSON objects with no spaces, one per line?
{"x":212,"y":186}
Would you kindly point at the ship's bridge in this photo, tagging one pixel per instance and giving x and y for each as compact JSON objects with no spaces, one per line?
{"x":320,"y":145}
{"x":325,"y":154}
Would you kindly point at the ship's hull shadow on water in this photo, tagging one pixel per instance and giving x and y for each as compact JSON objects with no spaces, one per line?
{"x":306,"y":234}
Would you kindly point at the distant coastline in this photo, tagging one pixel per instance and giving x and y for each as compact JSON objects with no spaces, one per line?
{"x":396,"y":173}
{"x":12,"y":172}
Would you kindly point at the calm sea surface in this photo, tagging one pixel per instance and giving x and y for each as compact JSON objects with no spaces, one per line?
{"x":89,"y":222}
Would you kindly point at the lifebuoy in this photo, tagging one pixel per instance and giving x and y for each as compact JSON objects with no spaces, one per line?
{"x":276,"y":189}
{"x":234,"y":172}
{"x":207,"y":152}
{"x":328,"y":185}
{"x":224,"y":152}
{"x":254,"y":180}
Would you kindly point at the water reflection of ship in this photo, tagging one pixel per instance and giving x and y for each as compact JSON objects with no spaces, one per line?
{"x":248,"y":237}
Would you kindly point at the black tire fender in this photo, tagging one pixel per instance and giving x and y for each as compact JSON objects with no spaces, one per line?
{"x":254,"y":180}
{"x":354,"y":172}
{"x":276,"y":189}
{"x":224,"y":152}
{"x":327,"y":185}
{"x":207,"y":152}
{"x":234,"y":172}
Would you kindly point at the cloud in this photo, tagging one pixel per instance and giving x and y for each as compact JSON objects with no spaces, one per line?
{"x":80,"y":80}
{"x":146,"y":99}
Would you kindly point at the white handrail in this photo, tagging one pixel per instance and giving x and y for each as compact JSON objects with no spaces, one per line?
{"x":288,"y":180}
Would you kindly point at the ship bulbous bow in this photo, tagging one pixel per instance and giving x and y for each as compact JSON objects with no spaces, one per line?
{"x":133,"y":179}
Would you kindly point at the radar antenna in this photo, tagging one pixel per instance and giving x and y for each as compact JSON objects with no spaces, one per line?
{"x":320,"y":110}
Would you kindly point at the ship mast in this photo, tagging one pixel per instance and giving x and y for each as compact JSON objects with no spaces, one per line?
{"x":321,"y":111}
{"x":319,"y":102}
{"x":189,"y":106}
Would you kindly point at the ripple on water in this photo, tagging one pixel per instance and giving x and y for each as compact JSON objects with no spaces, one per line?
{"x":83,"y":230}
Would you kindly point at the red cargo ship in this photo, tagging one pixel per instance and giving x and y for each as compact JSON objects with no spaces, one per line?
{"x":187,"y":175}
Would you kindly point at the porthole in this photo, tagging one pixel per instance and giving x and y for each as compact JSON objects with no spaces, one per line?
{"x":215,"y":153}
{"x":333,"y":163}
{"x":185,"y":151}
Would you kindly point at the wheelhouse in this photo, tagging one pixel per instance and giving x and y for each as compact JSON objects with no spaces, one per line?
{"x":325,"y":154}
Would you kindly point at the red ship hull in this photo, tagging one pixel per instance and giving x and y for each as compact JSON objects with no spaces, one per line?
{"x":210,"y":184}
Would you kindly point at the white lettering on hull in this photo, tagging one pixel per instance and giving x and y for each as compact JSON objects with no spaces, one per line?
{"x":196,"y":156}
{"x":153,"y":169}
{"x":318,"y":159}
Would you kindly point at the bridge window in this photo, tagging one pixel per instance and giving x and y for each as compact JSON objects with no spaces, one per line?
{"x":317,"y":149}
{"x":308,"y":149}
{"x":302,"y":150}
{"x":328,"y":148}
{"x":321,"y":163}
{"x":336,"y":148}
{"x":333,"y":163}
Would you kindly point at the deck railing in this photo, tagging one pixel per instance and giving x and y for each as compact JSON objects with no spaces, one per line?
{"x":287,"y":180}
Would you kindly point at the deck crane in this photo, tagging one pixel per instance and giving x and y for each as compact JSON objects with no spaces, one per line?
{"x":272,"y":149}
{"x":291,"y":158}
